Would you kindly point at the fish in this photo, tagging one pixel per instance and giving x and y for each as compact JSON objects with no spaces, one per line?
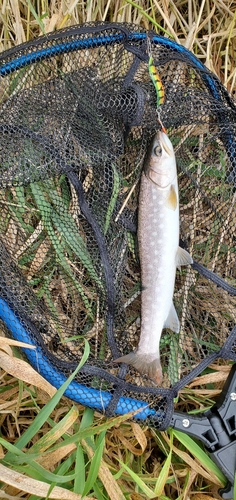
{"x":160,"y":255}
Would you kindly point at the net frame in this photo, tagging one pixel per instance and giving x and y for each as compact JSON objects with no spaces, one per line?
{"x":11,"y":310}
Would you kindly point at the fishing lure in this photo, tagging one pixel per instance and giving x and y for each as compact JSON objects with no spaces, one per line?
{"x":156,"y":82}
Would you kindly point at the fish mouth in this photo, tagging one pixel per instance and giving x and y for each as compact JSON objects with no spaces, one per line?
{"x":163,"y":138}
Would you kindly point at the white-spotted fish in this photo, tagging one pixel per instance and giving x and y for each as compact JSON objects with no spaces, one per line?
{"x":160,"y":254}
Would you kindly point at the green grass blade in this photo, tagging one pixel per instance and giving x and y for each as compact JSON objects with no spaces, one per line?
{"x":140,"y":483}
{"x":20,"y":197}
{"x":46,"y":441}
{"x":37,"y":18}
{"x":98,"y":494}
{"x":50,"y":490}
{"x":91,"y":431}
{"x":95,"y":464}
{"x":114,"y":196}
{"x":145,"y":14}
{"x":86,"y":422}
{"x":46,"y":209}
{"x":66,"y":267}
{"x":164,"y":473}
{"x":87,"y":419}
{"x":66,"y":226}
{"x":200,"y":454}
{"x":38,"y":472}
{"x":49,"y":407}
{"x":14,"y":451}
{"x":79,"y":482}
{"x":67,"y":465}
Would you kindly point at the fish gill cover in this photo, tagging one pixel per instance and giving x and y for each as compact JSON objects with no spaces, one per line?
{"x":78,"y":114}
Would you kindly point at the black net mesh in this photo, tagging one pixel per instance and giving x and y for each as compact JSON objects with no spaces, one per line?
{"x":78,"y":112}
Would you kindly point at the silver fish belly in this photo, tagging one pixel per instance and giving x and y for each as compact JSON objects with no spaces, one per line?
{"x":158,"y":239}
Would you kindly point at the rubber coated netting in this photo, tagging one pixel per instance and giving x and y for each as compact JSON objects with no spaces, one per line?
{"x":78,"y":112}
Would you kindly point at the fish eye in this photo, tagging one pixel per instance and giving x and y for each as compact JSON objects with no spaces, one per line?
{"x":157,"y":150}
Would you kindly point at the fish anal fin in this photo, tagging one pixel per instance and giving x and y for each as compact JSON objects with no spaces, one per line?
{"x":172,"y":320}
{"x":172,"y":198}
{"x":146,"y":364}
{"x":183,"y":258}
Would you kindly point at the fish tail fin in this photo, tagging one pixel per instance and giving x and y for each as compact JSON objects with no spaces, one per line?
{"x":146,"y":364}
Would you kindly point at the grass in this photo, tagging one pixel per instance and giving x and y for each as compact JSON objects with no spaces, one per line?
{"x":61,"y":450}
{"x":50,"y":447}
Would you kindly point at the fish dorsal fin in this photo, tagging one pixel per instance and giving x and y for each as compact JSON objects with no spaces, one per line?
{"x":172,"y":199}
{"x":172,"y":320}
{"x":183,"y":258}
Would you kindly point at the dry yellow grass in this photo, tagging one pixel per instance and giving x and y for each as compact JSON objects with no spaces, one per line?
{"x":207,"y":28}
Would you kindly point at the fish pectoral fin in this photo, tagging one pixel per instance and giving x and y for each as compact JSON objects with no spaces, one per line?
{"x":183,"y":258}
{"x":172,"y":198}
{"x":172,"y":320}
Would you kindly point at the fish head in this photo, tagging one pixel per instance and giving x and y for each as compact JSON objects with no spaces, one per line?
{"x":160,"y":165}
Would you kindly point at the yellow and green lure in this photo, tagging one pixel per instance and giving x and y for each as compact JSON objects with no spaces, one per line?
{"x":156,"y":82}
{"x":158,"y":86}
